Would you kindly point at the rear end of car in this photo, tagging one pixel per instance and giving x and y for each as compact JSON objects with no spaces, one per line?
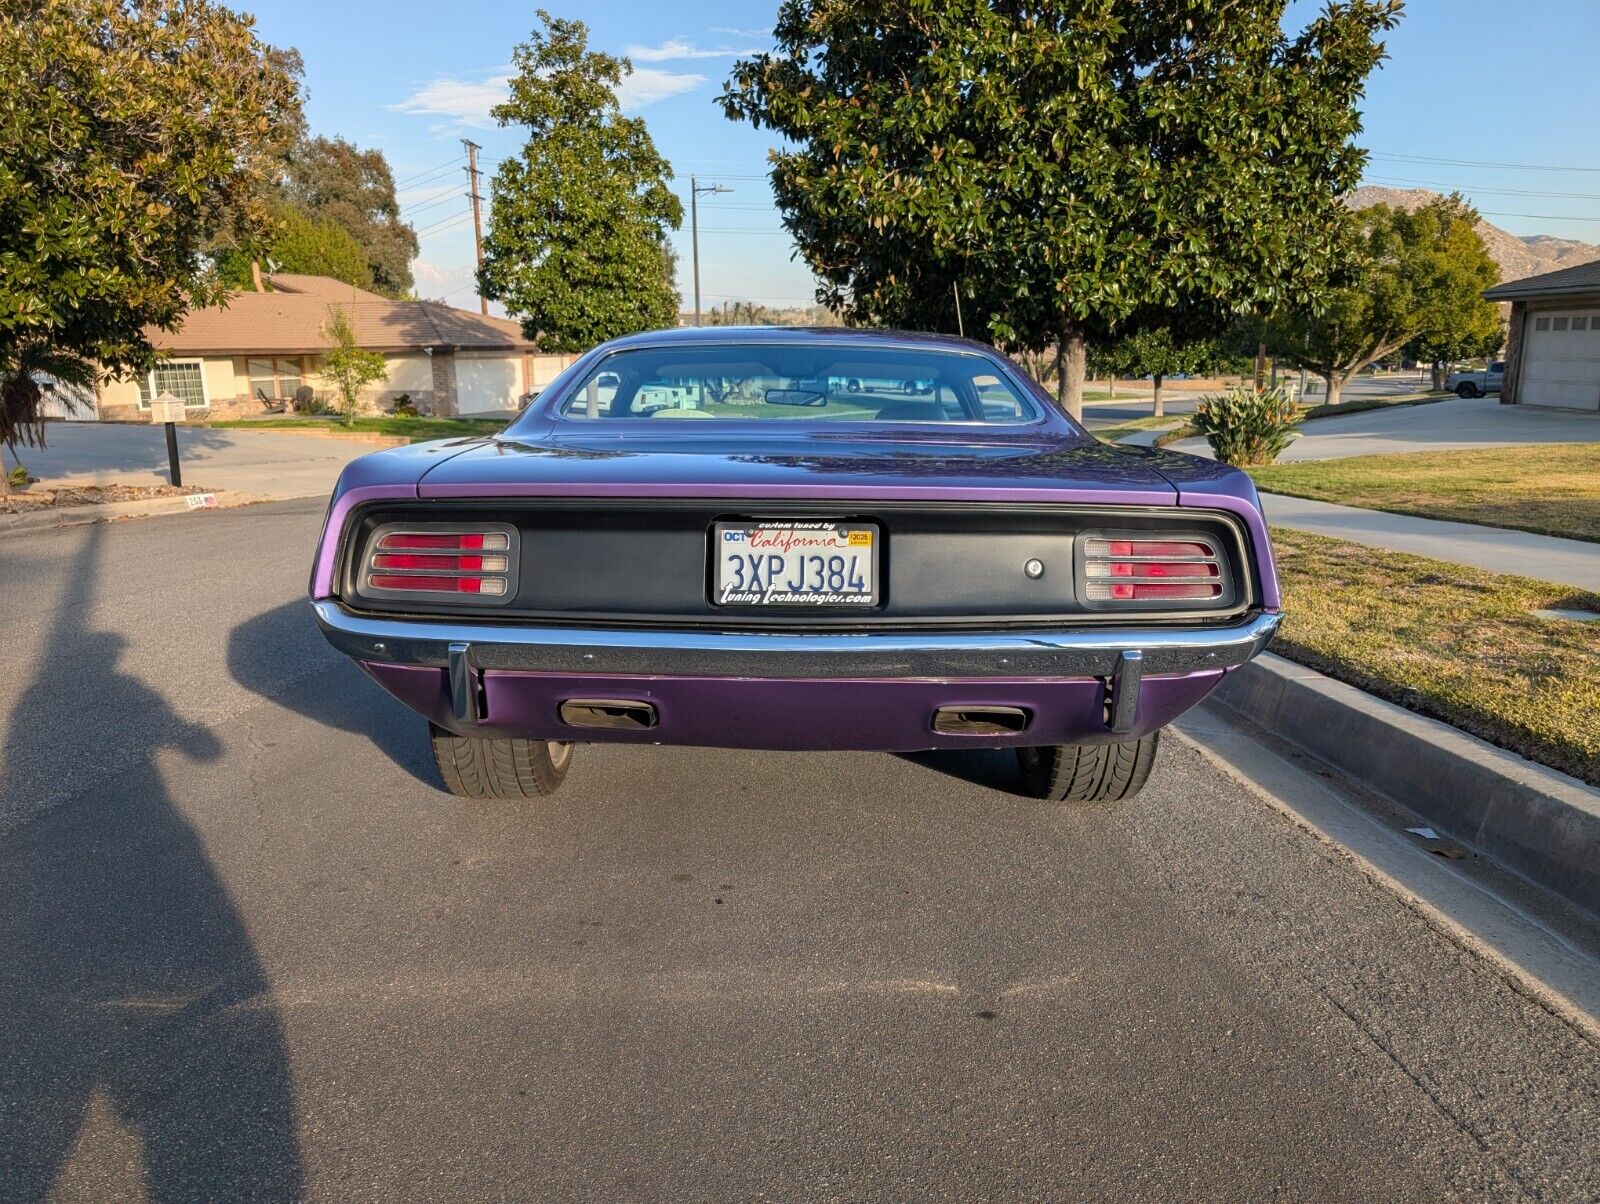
{"x":929,"y":590}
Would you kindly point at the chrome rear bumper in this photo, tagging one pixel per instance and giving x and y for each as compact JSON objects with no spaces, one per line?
{"x":1076,"y":653}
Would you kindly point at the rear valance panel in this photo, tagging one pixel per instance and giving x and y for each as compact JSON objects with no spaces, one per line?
{"x":650,"y":561}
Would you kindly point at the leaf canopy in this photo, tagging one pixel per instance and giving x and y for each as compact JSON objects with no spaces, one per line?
{"x":1082,"y":166}
{"x":577,"y":237}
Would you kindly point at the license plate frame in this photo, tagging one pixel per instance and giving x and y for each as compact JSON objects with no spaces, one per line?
{"x":787,"y":539}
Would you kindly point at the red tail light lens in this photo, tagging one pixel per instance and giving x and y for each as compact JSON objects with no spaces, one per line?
{"x":1129,"y":569}
{"x":468,"y":563}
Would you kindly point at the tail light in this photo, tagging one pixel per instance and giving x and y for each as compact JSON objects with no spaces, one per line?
{"x":1118,"y":570}
{"x":466,"y":563}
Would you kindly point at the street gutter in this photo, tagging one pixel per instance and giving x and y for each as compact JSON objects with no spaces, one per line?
{"x":1541,"y":824}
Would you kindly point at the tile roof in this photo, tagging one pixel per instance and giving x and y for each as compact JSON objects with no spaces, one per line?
{"x":292,"y":323}
{"x":1585,"y":278}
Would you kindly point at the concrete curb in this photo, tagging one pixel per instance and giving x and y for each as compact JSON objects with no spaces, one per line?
{"x":71,"y":516}
{"x":1540,"y":823}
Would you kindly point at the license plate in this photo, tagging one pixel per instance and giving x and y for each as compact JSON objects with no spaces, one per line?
{"x":795,"y":564}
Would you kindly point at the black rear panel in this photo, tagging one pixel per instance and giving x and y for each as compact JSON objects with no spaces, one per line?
{"x":624,"y":562}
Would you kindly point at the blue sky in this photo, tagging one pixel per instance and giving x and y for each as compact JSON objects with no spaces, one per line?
{"x":1469,"y":84}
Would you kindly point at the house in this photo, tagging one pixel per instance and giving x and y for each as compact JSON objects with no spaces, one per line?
{"x":264,"y":346}
{"x":1553,"y":345}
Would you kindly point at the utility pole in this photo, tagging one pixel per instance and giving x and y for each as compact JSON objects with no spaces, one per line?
{"x":477,"y":213}
{"x":695,"y":190}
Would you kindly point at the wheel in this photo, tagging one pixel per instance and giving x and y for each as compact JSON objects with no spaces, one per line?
{"x":1088,"y":773}
{"x":1466,"y":390}
{"x":499,"y":767}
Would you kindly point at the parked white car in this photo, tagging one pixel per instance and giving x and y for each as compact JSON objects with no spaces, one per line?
{"x":1476,"y":384}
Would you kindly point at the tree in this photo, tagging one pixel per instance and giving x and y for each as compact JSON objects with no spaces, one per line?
{"x":131,"y":139}
{"x":1415,"y":276}
{"x":1075,"y":166}
{"x":334,"y":181}
{"x":35,"y":369}
{"x":1157,"y":353}
{"x":306,"y":244}
{"x":349,"y":366}
{"x":577,"y":240}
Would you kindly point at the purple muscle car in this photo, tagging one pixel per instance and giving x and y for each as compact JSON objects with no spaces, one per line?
{"x":794,"y":539}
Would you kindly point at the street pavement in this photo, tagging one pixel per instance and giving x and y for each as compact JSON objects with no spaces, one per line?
{"x":246,"y":462}
{"x":1573,"y":562}
{"x":248,"y":948}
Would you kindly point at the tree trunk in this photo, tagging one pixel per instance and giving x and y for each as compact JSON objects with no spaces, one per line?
{"x":1071,"y":360}
{"x":1111,"y":384}
{"x":1261,"y":365}
{"x":1438,"y":375}
{"x":1335,"y":383}
{"x":5,"y":473}
{"x":1159,"y":410}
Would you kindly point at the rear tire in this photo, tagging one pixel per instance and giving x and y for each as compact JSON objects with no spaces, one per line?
{"x":499,"y":767}
{"x":1088,"y":773}
{"x":1466,"y":391}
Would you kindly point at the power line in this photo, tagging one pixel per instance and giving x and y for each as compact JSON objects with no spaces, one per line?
{"x":448,"y":223}
{"x":1480,"y":163}
{"x":432,"y":171}
{"x":1576,"y":196}
{"x":430,"y":202}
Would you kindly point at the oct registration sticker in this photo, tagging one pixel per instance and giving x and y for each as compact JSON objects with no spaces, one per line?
{"x":799,"y":563}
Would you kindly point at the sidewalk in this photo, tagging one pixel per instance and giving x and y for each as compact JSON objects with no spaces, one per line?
{"x":1565,"y":561}
{"x":257,"y":464}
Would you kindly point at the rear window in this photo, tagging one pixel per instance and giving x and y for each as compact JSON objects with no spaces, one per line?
{"x":797,"y":383}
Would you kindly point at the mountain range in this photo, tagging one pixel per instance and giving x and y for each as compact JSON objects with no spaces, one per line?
{"x":1518,"y":255}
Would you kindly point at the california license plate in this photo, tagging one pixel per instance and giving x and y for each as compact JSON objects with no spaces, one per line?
{"x":817,"y":563}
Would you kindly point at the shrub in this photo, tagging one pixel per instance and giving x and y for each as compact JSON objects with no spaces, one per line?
{"x":404,"y":407}
{"x":1247,"y":427}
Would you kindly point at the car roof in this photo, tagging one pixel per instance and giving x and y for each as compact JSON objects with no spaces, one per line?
{"x":714,"y":336}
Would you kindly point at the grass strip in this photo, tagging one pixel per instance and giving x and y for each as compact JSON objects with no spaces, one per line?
{"x":1548,"y":489}
{"x":1453,"y":642}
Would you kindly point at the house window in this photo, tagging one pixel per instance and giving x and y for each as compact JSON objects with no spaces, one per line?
{"x":1541,"y":323}
{"x":182,"y":378}
{"x":1581,"y":322}
{"x":274,"y":379}
{"x":1558,"y":323}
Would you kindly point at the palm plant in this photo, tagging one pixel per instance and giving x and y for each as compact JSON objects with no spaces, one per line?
{"x":27,"y":372}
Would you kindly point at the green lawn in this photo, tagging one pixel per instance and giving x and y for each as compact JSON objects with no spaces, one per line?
{"x":1549,"y":489}
{"x":418,"y":429}
{"x":1453,"y":642}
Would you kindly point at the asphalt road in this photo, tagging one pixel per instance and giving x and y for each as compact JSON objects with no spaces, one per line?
{"x":249,"y":949}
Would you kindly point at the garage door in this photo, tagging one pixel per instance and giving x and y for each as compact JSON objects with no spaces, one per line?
{"x":487,"y":382}
{"x":1561,"y":362}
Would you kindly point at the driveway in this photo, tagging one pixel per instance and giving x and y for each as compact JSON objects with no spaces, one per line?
{"x":1451,"y":425}
{"x":262,"y":465}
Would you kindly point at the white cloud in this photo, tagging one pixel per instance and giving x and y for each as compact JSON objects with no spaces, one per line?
{"x":647,"y":85}
{"x":674,"y":49}
{"x":465,"y":103}
{"x":741,"y":33}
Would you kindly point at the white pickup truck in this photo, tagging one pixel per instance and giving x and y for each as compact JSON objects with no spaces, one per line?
{"x":1476,"y":384}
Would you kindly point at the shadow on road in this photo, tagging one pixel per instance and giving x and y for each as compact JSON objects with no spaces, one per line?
{"x":280,"y":655}
{"x":129,"y":986}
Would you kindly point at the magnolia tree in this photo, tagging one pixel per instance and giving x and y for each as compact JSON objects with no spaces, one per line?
{"x":577,"y":239}
{"x":1417,"y":277}
{"x":132,"y":139}
{"x":1075,"y":168}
